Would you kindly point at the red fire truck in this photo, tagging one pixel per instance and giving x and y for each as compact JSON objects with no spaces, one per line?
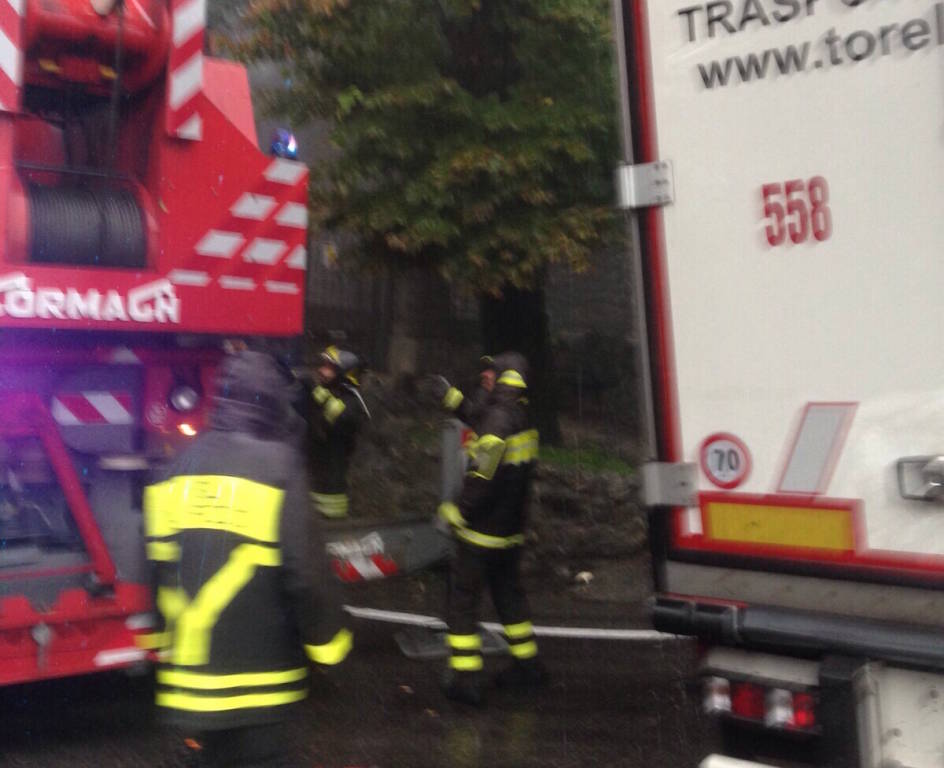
{"x":139,"y":226}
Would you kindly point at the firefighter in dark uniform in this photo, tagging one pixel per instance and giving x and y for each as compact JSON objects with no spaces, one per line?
{"x":467,"y":409}
{"x":489,"y":522}
{"x":336,"y":412}
{"x":241,"y":584}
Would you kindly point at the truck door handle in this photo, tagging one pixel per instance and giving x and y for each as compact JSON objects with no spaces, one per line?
{"x":921,"y":478}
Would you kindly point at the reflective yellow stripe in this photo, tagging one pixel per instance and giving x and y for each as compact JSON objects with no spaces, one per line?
{"x":333,"y":354}
{"x":524,"y":650}
{"x":152,"y":640}
{"x":521,"y":448}
{"x":453,"y":398}
{"x":449,"y":512}
{"x":464,"y":642}
{"x":519,"y":631}
{"x":333,"y":409}
{"x":512,"y":379}
{"x":191,"y":703}
{"x":487,"y":455}
{"x":214,"y":502}
{"x":333,"y":652}
{"x":192,"y":636}
{"x":320,"y":394}
{"x":182,"y":679}
{"x":332,"y":504}
{"x":156,"y":498}
{"x":171,"y":602}
{"x":490,"y":542}
{"x":164,"y":551}
{"x":466,"y":663}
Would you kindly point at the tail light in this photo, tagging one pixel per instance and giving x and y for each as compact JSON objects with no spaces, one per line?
{"x":804,"y":710}
{"x":747,"y":700}
{"x":765,"y":704}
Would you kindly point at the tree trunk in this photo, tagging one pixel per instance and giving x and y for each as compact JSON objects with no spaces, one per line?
{"x":518,"y":321}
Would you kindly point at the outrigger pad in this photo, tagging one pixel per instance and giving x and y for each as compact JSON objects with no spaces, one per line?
{"x":429,"y":644}
{"x":363,"y":552}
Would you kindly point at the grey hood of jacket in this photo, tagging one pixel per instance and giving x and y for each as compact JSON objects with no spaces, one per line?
{"x":254,"y":395}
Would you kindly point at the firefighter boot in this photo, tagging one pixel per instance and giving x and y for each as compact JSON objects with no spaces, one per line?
{"x":463,"y":687}
{"x":523,"y":673}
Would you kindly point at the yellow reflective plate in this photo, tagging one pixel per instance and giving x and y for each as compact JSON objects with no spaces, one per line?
{"x":780,"y":525}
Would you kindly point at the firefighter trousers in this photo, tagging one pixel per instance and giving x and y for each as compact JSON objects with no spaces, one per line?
{"x":473,"y":569}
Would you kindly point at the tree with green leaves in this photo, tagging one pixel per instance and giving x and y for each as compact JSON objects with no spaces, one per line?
{"x":474,"y":137}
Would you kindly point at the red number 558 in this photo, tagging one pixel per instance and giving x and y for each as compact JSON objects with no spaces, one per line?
{"x":797,"y":208}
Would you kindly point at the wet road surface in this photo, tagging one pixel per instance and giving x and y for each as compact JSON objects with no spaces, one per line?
{"x":608,"y":704}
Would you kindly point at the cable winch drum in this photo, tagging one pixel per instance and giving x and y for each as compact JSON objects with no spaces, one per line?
{"x":84,"y":226}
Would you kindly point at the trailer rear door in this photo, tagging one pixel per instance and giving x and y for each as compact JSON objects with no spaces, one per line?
{"x":795,"y":296}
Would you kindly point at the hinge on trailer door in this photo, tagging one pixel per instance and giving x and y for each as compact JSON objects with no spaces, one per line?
{"x":645,"y":184}
{"x":667,"y":484}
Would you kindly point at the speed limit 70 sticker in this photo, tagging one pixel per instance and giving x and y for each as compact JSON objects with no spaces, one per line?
{"x":725,"y":460}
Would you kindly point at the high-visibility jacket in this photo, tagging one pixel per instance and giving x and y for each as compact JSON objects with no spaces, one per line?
{"x":493,"y":506}
{"x":241,"y":583}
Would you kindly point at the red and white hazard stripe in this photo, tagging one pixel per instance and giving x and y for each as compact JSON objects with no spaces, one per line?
{"x":185,"y":69}
{"x":11,"y":53}
{"x":72,"y":409}
{"x":364,"y":568}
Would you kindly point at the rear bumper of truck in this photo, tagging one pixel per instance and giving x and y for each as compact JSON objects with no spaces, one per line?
{"x":81,"y":633}
{"x":814,"y":688}
{"x":792,"y":631}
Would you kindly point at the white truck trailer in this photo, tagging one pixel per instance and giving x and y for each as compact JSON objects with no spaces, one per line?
{"x":784,"y":170}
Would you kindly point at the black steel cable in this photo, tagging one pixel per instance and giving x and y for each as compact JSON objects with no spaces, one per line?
{"x":86,"y":227}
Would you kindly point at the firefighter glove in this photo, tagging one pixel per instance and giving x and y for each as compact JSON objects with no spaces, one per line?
{"x":450,"y":513}
{"x":444,"y":392}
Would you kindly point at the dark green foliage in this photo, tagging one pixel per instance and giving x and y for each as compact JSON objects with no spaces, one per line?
{"x":475,"y":137}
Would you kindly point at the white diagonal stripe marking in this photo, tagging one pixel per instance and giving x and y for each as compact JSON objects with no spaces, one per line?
{"x":293,"y":215}
{"x":186,"y":81}
{"x":191,"y":129}
{"x":283,"y":171}
{"x":220,"y":244}
{"x":251,"y":206}
{"x":233,"y":283}
{"x":11,"y":59}
{"x":63,"y":415}
{"x":188,"y":277}
{"x":298,"y":258}
{"x":106,"y":404}
{"x":365,"y":567}
{"x":189,"y":19}
{"x":276,"y":286}
{"x":264,"y":251}
{"x":18,"y":5}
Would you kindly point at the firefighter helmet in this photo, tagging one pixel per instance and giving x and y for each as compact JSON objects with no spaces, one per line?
{"x":346,"y":363}
{"x":512,"y":370}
